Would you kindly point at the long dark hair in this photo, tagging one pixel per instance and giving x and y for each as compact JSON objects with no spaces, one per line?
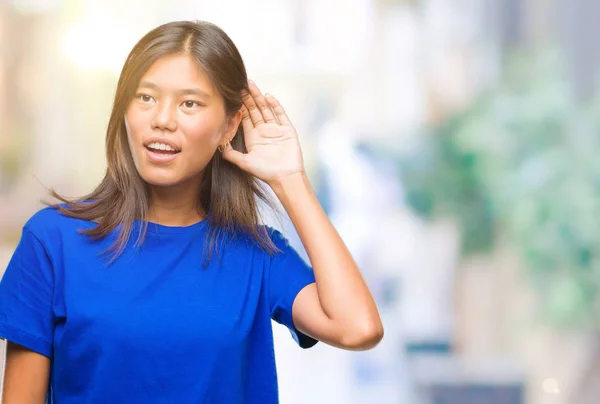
{"x":227,"y":193}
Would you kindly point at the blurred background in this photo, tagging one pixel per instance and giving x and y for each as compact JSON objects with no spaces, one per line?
{"x":453,"y":144}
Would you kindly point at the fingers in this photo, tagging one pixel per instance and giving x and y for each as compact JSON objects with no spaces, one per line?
{"x":247,"y":124}
{"x":261,"y":103}
{"x":254,"y":113}
{"x":235,"y":157}
{"x":278,"y":109}
{"x":258,"y":107}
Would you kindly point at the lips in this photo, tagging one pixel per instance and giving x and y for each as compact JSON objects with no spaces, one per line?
{"x":161,"y":157}
{"x":166,"y":141}
{"x":161,"y":151}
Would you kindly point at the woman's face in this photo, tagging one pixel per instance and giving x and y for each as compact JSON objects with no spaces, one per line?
{"x":175,"y":122}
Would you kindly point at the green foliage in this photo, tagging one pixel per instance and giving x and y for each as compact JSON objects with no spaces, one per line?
{"x":522,"y":163}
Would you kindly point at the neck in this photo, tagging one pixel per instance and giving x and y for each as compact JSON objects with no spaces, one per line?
{"x":174,"y":205}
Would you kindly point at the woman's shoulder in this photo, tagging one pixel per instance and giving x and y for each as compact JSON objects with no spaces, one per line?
{"x":276,"y":237}
{"x":257,"y":239}
{"x":44,"y":217}
{"x":49,"y":222}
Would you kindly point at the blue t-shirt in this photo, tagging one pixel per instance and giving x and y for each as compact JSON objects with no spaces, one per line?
{"x":155,"y":326}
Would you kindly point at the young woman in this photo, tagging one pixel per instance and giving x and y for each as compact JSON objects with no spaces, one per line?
{"x":182,"y":312}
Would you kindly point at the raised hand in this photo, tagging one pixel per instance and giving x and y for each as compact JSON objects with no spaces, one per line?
{"x":271,"y":140}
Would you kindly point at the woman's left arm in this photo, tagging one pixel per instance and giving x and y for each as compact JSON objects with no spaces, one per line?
{"x":338,"y":309}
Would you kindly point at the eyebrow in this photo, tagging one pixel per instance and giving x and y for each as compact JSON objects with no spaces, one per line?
{"x":185,"y":91}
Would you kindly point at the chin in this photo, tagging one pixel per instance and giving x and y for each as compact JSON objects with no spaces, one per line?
{"x":156,"y":178}
{"x":163,"y":184}
{"x":160,"y":179}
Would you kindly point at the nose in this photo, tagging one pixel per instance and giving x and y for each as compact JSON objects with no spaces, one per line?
{"x":164,"y":117}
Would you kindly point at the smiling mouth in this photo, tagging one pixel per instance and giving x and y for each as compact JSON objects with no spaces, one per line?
{"x":163,"y":152}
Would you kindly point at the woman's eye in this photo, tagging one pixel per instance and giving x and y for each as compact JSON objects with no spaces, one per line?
{"x":191,"y":104}
{"x":144,"y":97}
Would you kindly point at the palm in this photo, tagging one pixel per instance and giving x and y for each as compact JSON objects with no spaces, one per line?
{"x":271,"y":140}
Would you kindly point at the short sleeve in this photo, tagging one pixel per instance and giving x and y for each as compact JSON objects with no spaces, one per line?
{"x":288,"y":275}
{"x":26,"y":295}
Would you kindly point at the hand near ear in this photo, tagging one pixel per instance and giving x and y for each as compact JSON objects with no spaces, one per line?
{"x":271,"y":140}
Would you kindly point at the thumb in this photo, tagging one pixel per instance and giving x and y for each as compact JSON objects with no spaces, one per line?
{"x":235,"y":157}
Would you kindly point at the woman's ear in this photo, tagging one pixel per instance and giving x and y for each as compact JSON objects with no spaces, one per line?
{"x":232,"y":127}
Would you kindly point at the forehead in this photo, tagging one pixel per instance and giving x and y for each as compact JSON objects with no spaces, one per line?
{"x":178,"y":72}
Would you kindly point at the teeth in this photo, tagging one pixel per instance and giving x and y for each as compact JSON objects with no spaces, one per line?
{"x":160,"y":146}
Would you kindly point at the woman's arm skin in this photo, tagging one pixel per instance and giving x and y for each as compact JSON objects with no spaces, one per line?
{"x":26,"y":376}
{"x":339,"y":308}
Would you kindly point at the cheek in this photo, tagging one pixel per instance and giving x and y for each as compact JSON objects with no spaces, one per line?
{"x":129,"y":134}
{"x":128,"y":129}
{"x":132,"y":127}
{"x":133,"y":123}
{"x":201,"y":134}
